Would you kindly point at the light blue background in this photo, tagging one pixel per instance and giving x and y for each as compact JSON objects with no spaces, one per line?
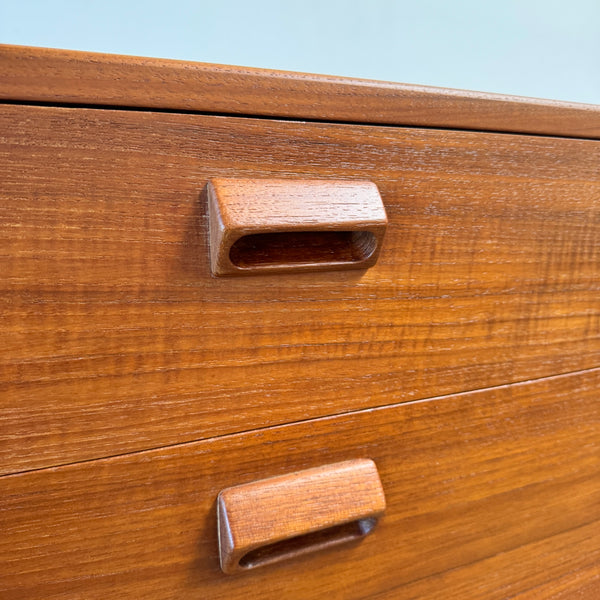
{"x":543,"y":48}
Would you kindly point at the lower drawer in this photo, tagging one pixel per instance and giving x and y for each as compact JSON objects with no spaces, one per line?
{"x":490,"y":494}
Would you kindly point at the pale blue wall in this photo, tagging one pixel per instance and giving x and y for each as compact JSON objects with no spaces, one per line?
{"x":543,"y":48}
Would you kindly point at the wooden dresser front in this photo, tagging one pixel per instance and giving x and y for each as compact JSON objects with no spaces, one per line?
{"x":135,"y":385}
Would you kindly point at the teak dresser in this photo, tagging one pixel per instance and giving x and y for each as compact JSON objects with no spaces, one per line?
{"x":269,"y":335}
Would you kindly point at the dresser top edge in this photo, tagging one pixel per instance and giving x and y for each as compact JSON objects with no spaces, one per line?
{"x":68,"y":77}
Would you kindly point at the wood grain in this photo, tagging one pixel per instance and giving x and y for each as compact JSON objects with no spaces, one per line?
{"x":65,"y":76}
{"x":115,"y":337}
{"x":490,"y":495}
{"x":274,"y":519}
{"x":282,"y":225}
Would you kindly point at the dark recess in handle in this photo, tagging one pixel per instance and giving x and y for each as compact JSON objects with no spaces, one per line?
{"x":302,"y":248}
{"x":309,"y":542}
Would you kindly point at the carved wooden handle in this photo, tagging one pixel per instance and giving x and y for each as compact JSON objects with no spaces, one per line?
{"x":278,"y":518}
{"x":262,"y":225}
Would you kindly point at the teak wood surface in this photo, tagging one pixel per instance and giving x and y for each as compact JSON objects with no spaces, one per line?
{"x":492,"y":494}
{"x":115,"y":337}
{"x":66,"y":76}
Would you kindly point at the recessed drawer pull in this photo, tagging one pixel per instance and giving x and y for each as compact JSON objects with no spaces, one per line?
{"x":267,"y":521}
{"x":262,"y":225}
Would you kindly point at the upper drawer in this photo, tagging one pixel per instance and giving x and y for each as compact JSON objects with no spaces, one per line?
{"x":116,"y":338}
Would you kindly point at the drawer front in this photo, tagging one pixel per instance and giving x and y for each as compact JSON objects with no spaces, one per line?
{"x":115,"y":337}
{"x":490,"y":494}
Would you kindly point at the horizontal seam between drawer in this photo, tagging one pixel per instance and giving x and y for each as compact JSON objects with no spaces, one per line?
{"x":310,"y":420}
{"x":49,"y":104}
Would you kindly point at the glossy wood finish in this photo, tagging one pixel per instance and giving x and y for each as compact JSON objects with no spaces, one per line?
{"x":281,"y":518}
{"x":281,"y":225}
{"x":64,"y":76}
{"x":115,"y":337}
{"x":492,"y":494}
